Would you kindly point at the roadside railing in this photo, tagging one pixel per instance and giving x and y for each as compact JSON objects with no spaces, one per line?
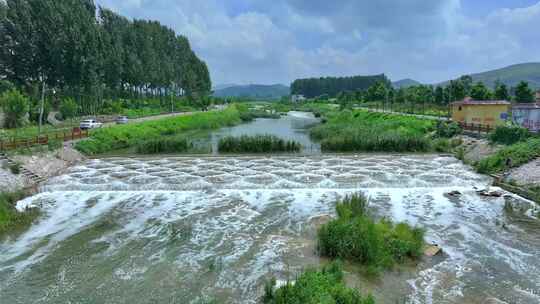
{"x":28,"y":142}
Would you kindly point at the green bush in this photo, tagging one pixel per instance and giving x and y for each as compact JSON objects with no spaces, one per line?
{"x":511,"y":156}
{"x":257,"y":144}
{"x":68,"y":108}
{"x":509,"y":135}
{"x":130,"y":135}
{"x":315,"y":287}
{"x":356,"y":237}
{"x":163,"y":145}
{"x":448,"y":129}
{"x":348,"y":131}
{"x":10,"y":218}
{"x":15,"y":107}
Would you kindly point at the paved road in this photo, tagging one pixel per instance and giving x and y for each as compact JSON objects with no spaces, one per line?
{"x":150,"y":118}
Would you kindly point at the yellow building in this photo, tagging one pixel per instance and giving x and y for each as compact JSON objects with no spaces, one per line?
{"x":481,"y":112}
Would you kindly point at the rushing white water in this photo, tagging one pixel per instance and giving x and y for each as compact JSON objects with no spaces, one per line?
{"x":180,"y":229}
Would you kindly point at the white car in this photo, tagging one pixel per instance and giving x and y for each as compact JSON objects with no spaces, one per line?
{"x":122,"y":120}
{"x":90,"y":124}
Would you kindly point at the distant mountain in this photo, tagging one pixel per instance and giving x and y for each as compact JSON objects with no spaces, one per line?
{"x":510,"y":75}
{"x":223,"y":86}
{"x":405,"y":83}
{"x":255,"y":91}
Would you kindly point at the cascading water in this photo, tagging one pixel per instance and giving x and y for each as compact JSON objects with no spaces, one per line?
{"x":183,"y":229}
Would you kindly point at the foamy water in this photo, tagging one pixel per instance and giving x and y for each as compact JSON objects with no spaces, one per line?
{"x":181,"y":229}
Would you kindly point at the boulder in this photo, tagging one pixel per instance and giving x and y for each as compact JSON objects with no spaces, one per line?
{"x":454,"y":193}
{"x":432,"y":250}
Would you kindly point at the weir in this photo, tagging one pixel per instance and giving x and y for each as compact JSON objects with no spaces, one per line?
{"x":175,"y":229}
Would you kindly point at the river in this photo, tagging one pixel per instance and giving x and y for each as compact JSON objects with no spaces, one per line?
{"x":181,"y":229}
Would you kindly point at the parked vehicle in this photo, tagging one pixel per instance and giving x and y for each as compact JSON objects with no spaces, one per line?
{"x":90,"y":124}
{"x":122,"y":120}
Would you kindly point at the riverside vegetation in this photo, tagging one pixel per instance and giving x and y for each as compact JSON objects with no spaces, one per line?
{"x":131,"y":135}
{"x":257,"y":144}
{"x":349,"y":131}
{"x":10,"y":218}
{"x":313,"y":287}
{"x":356,"y":237}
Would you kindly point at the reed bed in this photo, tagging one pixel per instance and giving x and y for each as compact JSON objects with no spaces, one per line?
{"x":257,"y":144}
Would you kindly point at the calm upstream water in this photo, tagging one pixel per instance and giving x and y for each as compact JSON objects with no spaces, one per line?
{"x":294,"y":126}
{"x":188,"y":229}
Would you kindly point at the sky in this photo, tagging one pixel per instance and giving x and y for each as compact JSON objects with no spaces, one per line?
{"x":277,"y":41}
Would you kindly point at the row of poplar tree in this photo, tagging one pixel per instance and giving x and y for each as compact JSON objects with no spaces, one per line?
{"x":72,"y":49}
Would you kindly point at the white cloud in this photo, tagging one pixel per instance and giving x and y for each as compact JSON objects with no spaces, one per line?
{"x":278,"y":41}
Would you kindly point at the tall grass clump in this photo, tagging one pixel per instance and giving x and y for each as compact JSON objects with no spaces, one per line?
{"x":356,"y":237}
{"x":348,"y":131}
{"x":257,"y":144}
{"x":163,"y":145}
{"x":314,"y":287}
{"x":10,"y":218}
{"x":508,"y":135}
{"x":511,"y":156}
{"x":126,"y":136}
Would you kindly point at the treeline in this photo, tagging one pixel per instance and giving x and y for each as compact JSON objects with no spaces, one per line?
{"x":442,"y":95}
{"x":332,"y":86}
{"x":66,"y":49}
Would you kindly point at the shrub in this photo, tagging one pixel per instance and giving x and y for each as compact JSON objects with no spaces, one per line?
{"x":357,"y":237}
{"x":9,"y":216}
{"x":257,"y":144}
{"x":518,"y":154}
{"x":314,"y":287}
{"x":509,"y":135}
{"x":447,"y":129}
{"x":15,"y":107}
{"x":163,"y":145}
{"x":68,"y":108}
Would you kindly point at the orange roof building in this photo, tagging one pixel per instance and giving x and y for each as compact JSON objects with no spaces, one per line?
{"x":490,"y":113}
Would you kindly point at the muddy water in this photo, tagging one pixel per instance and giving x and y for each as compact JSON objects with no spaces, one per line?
{"x":182,"y":229}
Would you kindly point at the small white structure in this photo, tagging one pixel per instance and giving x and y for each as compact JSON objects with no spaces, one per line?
{"x":297,"y":98}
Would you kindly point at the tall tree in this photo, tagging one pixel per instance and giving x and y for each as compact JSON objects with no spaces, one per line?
{"x":524,"y":93}
{"x":480,"y":92}
{"x":501,"y":91}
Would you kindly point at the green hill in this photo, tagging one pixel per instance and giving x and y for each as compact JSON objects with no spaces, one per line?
{"x":405,"y":83}
{"x":255,"y":91}
{"x":511,"y":75}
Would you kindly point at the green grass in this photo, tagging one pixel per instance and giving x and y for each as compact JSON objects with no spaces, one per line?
{"x":257,"y":144}
{"x":519,"y":154}
{"x":429,"y":109}
{"x":130,"y":135}
{"x":348,"y":131}
{"x":356,"y":237}
{"x":315,"y":287}
{"x":163,"y":145}
{"x":10,"y":218}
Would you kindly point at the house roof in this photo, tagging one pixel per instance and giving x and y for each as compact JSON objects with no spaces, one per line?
{"x":469,"y":101}
{"x":526,"y":106}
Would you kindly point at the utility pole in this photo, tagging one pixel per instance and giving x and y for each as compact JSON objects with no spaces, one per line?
{"x":41,"y":107}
